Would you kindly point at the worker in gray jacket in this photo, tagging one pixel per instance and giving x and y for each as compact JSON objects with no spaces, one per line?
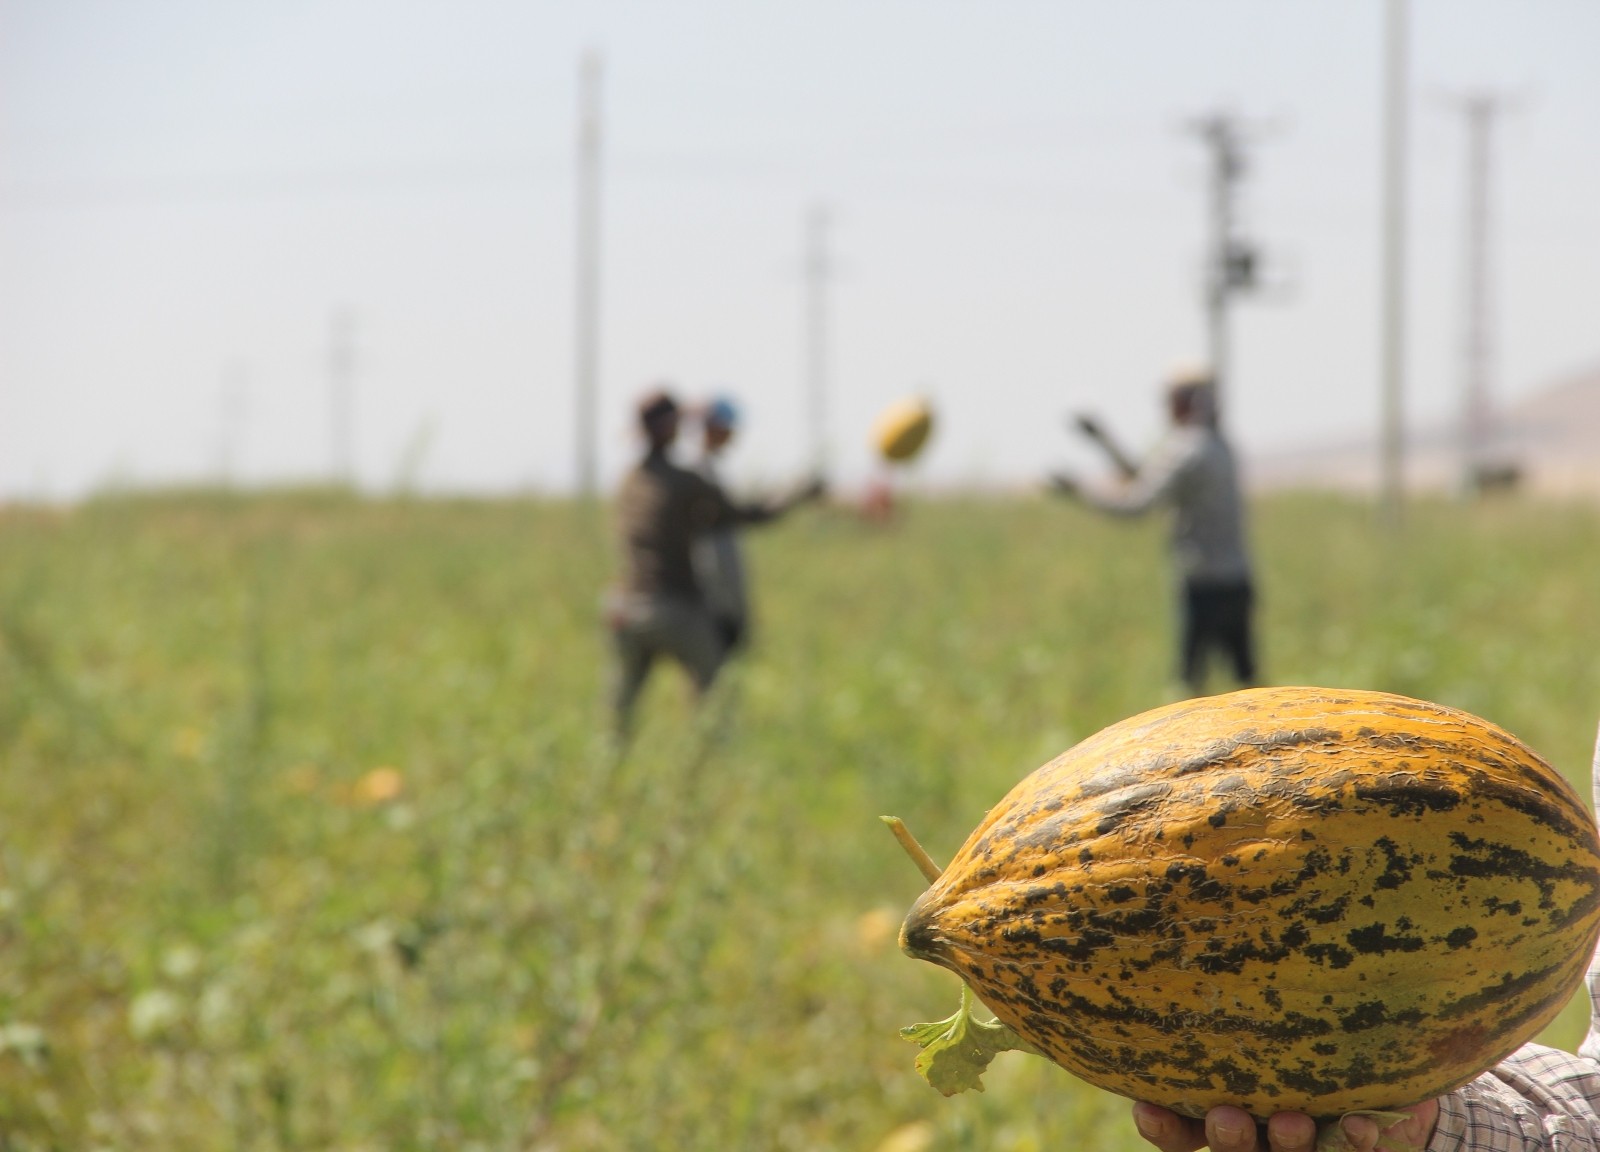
{"x":1193,"y":472}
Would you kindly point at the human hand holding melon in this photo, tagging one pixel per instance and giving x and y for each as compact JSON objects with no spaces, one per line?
{"x":1228,"y":1129}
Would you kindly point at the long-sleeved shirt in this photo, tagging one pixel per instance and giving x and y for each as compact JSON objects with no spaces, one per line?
{"x":661,"y":510}
{"x":1193,"y":470}
{"x":1536,"y":1100}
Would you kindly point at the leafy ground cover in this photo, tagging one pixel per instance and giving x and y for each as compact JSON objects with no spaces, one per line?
{"x":311,"y":836}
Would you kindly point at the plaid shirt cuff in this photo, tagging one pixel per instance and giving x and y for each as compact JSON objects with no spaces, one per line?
{"x":1538,"y":1099}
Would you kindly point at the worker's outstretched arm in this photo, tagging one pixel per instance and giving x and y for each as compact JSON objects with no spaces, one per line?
{"x":1095,"y":431}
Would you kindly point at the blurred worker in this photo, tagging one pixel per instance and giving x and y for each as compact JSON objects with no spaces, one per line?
{"x":1193,"y":471}
{"x":659,"y":608}
{"x":718,"y":558}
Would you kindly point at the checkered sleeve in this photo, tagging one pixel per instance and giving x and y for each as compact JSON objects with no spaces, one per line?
{"x":1538,"y":1098}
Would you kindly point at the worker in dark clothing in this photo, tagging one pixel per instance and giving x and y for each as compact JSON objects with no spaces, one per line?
{"x":1194,"y":473}
{"x":659,"y":608}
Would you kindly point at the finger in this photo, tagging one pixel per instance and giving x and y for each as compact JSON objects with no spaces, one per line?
{"x":1362,"y":1132}
{"x":1417,"y":1128}
{"x":1167,"y":1130}
{"x":1424,"y":1117}
{"x":1291,"y":1132}
{"x":1230,"y":1129}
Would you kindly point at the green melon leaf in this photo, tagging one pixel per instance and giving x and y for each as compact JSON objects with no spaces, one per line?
{"x":957,"y":1051}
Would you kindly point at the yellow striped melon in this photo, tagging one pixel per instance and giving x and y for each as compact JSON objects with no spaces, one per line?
{"x":902,"y":429}
{"x":1281,"y":898}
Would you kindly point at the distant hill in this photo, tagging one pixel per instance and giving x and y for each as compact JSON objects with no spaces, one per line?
{"x":1551,"y":436}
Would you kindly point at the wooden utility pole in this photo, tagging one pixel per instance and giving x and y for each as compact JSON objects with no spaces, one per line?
{"x":1396,"y":107}
{"x":232,"y":397}
{"x":1231,"y":265}
{"x":819,"y":268}
{"x":341,"y":396}
{"x":1477,"y":346}
{"x":586,"y":358}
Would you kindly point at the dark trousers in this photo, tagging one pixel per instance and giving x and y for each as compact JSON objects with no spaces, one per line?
{"x":1216,"y":616}
{"x":645,"y":627}
{"x":733,"y":631}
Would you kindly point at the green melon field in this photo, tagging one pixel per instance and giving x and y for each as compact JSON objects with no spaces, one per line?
{"x":311,"y":836}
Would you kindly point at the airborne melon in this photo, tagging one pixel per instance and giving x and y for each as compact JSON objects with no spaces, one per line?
{"x":1283,"y":898}
{"x":901,"y":429}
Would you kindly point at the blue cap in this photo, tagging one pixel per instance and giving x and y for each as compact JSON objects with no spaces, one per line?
{"x":722,"y":412}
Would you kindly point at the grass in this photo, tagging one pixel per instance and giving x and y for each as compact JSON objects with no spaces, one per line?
{"x":222,"y":928}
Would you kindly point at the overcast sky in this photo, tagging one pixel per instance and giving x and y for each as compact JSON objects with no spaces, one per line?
{"x":191,"y":192}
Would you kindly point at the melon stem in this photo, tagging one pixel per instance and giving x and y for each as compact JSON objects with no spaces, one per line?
{"x":919,"y":855}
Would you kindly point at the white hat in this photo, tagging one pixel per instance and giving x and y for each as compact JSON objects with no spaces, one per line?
{"x":1190,"y":374}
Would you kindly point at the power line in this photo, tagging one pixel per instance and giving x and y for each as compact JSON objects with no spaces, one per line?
{"x":240,"y":186}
